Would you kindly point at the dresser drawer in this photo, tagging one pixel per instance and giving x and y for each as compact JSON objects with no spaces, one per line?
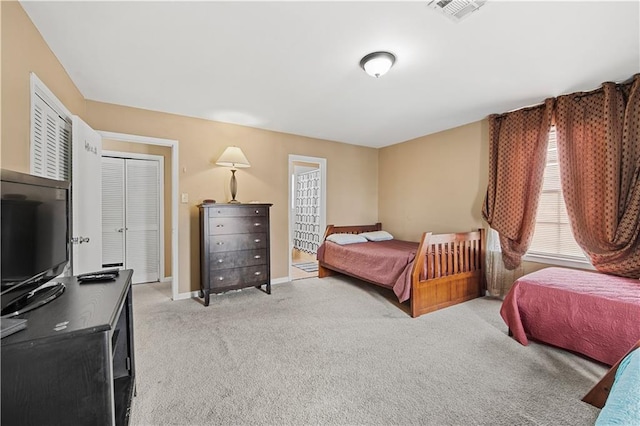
{"x":218,"y":243}
{"x":228,"y":278}
{"x":237,"y":259}
{"x":237,"y":225}
{"x":237,"y":211}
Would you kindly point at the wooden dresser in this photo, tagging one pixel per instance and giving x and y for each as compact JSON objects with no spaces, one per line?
{"x":234,"y":247}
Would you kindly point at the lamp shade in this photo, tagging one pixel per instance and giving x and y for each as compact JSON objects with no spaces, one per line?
{"x":233,"y":157}
{"x":377,"y":64}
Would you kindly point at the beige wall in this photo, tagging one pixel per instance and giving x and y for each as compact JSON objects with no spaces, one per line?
{"x":163,"y":151}
{"x":351,"y":170}
{"x":352,"y":174}
{"x":24,"y":51}
{"x":434,"y":183}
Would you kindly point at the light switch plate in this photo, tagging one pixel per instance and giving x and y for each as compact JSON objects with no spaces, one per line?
{"x":185,"y":197}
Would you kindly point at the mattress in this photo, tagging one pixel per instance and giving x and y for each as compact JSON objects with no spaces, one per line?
{"x":386,"y":263}
{"x":594,"y":314}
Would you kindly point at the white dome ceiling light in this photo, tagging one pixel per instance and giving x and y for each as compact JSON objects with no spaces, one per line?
{"x":377,"y":64}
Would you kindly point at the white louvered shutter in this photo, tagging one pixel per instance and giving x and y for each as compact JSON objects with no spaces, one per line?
{"x":113,"y":212}
{"x":37,"y":137}
{"x":142,"y":219}
{"x":51,"y":147}
{"x":50,"y":142}
{"x":64,"y":150}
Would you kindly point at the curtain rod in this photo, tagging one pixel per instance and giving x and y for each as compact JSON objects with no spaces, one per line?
{"x":579,"y":95}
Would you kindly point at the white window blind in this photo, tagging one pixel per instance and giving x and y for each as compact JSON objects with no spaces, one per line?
{"x":552,"y":236}
{"x":50,"y":141}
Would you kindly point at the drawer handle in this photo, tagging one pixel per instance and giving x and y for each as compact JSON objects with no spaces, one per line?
{"x":257,"y":211}
{"x":257,"y":240}
{"x":257,"y":256}
{"x":257,"y":273}
{"x":220,"y":278}
{"x":257,"y":224}
{"x":219,"y":226}
{"x":220,"y":243}
{"x":220,"y":260}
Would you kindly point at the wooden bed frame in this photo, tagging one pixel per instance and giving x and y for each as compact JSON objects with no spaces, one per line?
{"x":599,"y":393}
{"x":448,"y":268}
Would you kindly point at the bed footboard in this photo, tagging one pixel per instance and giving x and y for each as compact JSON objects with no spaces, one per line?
{"x":448,"y":269}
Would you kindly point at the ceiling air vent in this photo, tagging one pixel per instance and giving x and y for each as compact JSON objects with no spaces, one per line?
{"x":456,"y":9}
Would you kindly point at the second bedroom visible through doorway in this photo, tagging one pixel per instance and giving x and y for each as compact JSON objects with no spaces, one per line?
{"x":307,"y":215}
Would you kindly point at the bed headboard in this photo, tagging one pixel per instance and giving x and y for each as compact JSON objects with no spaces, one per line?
{"x":354,"y":229}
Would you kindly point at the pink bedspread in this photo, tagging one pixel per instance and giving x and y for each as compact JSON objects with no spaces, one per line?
{"x":590,"y":313}
{"x":387,"y":263}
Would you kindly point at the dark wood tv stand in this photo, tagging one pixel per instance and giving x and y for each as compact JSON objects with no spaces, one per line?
{"x":74,"y":363}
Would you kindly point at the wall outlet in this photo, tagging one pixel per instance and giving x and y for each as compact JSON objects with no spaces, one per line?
{"x":185,"y":197}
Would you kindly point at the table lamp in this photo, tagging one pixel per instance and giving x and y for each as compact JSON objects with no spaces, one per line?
{"x":233,"y":157}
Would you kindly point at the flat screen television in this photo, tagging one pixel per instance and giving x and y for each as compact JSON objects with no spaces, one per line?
{"x":35,"y":216}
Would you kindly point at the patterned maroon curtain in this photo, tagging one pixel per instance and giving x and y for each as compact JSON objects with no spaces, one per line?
{"x":517,"y":155}
{"x":599,"y":153}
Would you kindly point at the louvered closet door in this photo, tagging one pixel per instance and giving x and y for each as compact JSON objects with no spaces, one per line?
{"x":142,"y":219}
{"x":51,"y":142}
{"x":112,"y":212}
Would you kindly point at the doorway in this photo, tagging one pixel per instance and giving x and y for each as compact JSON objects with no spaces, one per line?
{"x":132,"y":220}
{"x":173,"y":274}
{"x":307,"y":214}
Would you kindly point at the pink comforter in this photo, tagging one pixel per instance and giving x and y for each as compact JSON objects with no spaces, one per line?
{"x":387,"y":263}
{"x":590,"y":313}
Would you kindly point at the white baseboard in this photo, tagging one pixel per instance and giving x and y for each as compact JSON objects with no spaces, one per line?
{"x":189,"y":295}
{"x":166,"y":279}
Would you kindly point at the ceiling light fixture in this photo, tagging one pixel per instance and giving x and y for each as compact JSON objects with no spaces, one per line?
{"x":377,"y":64}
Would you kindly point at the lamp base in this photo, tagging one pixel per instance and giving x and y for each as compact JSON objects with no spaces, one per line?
{"x":234,"y":187}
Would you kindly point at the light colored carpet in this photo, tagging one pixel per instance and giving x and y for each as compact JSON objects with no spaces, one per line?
{"x":337,"y":352}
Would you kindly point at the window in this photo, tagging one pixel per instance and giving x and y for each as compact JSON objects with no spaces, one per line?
{"x":50,"y":134}
{"x":552,"y":238}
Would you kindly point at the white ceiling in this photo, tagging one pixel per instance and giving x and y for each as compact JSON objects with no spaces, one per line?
{"x":294,"y":66}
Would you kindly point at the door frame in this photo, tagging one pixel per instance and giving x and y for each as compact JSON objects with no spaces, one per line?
{"x":175,"y":234}
{"x":160,"y":160}
{"x":322,"y":165}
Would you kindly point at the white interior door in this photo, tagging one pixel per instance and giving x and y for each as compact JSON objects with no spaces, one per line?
{"x":86,"y":199}
{"x":113,"y":205}
{"x":142,"y":223}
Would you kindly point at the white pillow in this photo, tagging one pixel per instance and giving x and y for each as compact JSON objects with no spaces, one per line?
{"x":343,"y":239}
{"x":377,"y":236}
